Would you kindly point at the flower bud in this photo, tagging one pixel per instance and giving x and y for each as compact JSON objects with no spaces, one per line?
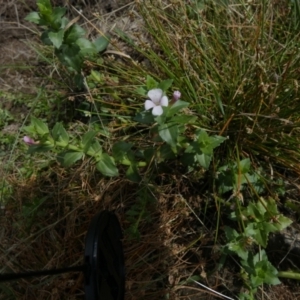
{"x":28,"y":140}
{"x":176,"y":96}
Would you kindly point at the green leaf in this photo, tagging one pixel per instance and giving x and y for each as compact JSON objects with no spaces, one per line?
{"x":69,"y":56}
{"x":265,"y":272}
{"x":69,"y":158}
{"x":151,"y":83}
{"x":33,"y":17}
{"x":165,"y":85}
{"x":56,"y":38}
{"x":87,"y":140}
{"x":57,"y":14}
{"x":95,"y":150}
{"x":74,"y":33}
{"x":216,"y":140}
{"x":184,"y":119}
{"x":141,"y":91}
{"x":165,"y":152}
{"x":133,"y":174}
{"x":107,"y":166}
{"x":244,"y":166}
{"x":168,"y":133}
{"x":39,"y":148}
{"x":45,"y":8}
{"x":176,"y":107}
{"x":203,"y":159}
{"x":238,"y":248}
{"x":40,"y":127}
{"x":282,"y":222}
{"x":60,"y":134}
{"x":96,"y":76}
{"x":259,"y":233}
{"x":86,"y":47}
{"x":45,"y":38}
{"x":122,"y":152}
{"x":144,"y":117}
{"x":101,"y":43}
{"x":230,"y":233}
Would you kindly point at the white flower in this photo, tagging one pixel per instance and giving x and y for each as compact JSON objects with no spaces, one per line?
{"x":157,"y":100}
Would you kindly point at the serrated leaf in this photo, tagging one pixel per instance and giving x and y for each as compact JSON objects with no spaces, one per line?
{"x":69,"y":158}
{"x":69,"y":56}
{"x":101,"y":43}
{"x":168,"y":133}
{"x":265,"y":272}
{"x":33,"y":17}
{"x":56,"y":38}
{"x":57,"y":14}
{"x":238,"y":248}
{"x":282,"y":222}
{"x":107,"y":166}
{"x":45,"y":7}
{"x":74,"y":33}
{"x":87,"y":140}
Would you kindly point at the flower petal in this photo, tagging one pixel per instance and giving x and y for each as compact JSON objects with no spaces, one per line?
{"x":157,"y":111}
{"x":164,"y":101}
{"x":155,"y":95}
{"x":28,"y":140}
{"x":149,"y":104}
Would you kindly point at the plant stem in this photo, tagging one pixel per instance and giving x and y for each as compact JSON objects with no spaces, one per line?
{"x":289,"y":274}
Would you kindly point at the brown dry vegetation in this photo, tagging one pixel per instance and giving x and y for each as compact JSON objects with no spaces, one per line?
{"x":172,"y":247}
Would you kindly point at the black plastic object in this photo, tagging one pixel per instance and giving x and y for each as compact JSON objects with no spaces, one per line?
{"x":105,"y":278}
{"x":103,"y":266}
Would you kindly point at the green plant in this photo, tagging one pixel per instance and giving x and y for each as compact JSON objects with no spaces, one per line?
{"x":67,"y":38}
{"x":256,"y":221}
{"x":168,"y":131}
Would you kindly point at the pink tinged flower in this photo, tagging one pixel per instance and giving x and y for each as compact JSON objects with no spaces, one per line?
{"x":176,"y":96}
{"x":29,"y":141}
{"x":156,"y":102}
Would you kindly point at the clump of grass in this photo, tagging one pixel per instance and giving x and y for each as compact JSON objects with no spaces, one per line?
{"x":235,"y":62}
